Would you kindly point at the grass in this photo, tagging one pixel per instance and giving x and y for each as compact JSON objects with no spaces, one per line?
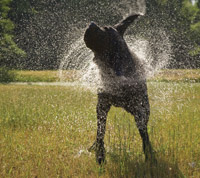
{"x":178,"y":75}
{"x":175,"y":75}
{"x":44,"y":76}
{"x":36,"y":76}
{"x":45,"y":132}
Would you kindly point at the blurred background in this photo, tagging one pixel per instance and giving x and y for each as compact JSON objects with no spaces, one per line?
{"x":36,"y":34}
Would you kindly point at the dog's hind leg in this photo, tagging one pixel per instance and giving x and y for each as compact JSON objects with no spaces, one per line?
{"x":103,"y":107}
{"x":141,"y":122}
{"x":141,"y":118}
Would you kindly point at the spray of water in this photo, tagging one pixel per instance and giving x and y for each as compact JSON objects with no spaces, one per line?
{"x":78,"y":57}
{"x":143,"y":50}
{"x":127,"y":7}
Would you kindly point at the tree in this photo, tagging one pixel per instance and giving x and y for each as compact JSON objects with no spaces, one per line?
{"x":8,"y":48}
{"x":195,"y":30}
{"x":46,"y":29}
{"x":180,"y":21}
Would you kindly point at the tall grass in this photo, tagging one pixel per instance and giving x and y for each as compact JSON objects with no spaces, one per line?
{"x":175,"y":75}
{"x":45,"y":76}
{"x":45,"y":132}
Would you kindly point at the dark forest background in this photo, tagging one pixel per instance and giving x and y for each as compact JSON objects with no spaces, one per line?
{"x":34,"y":34}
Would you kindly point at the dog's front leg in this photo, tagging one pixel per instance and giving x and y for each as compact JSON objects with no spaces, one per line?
{"x":103,"y":107}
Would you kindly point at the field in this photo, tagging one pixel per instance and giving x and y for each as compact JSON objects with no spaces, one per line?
{"x":175,"y":75}
{"x":45,"y":131}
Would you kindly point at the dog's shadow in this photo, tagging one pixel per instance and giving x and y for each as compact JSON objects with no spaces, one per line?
{"x":124,"y":166}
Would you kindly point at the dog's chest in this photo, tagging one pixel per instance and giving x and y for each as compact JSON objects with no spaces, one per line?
{"x":111,"y":83}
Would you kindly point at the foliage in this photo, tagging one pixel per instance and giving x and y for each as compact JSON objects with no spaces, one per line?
{"x":36,"y":76}
{"x":8,"y":48}
{"x":178,"y":18}
{"x":45,"y":29}
{"x":6,"y":75}
{"x":167,"y":75}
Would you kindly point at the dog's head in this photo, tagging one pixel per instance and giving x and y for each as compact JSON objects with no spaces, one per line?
{"x":101,"y":39}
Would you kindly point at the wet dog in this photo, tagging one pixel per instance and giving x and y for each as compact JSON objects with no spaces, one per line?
{"x":123,"y":81}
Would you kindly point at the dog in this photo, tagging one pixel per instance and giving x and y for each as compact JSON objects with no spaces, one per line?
{"x":123,"y":81}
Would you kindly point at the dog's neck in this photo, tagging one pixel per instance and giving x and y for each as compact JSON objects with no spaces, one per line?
{"x":127,"y":65}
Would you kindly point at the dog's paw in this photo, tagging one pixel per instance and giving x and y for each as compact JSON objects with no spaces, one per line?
{"x":100,"y":155}
{"x":100,"y":160}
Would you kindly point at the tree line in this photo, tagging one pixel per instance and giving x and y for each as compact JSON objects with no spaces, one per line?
{"x":34,"y":34}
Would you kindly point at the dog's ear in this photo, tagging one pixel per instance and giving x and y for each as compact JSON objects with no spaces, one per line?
{"x":123,"y":25}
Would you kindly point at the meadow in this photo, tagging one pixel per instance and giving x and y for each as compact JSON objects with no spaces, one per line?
{"x":45,"y":131}
{"x":167,"y":75}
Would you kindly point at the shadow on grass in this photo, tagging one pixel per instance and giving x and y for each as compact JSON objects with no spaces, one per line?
{"x":125,"y":166}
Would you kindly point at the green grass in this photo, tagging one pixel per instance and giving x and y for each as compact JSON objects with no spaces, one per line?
{"x":36,"y":76}
{"x":44,"y":76}
{"x":175,"y":75}
{"x":45,"y":132}
{"x":178,"y":75}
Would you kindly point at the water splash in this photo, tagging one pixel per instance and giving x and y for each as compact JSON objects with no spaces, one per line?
{"x":79,"y":58}
{"x":127,"y":7}
{"x":142,"y":48}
